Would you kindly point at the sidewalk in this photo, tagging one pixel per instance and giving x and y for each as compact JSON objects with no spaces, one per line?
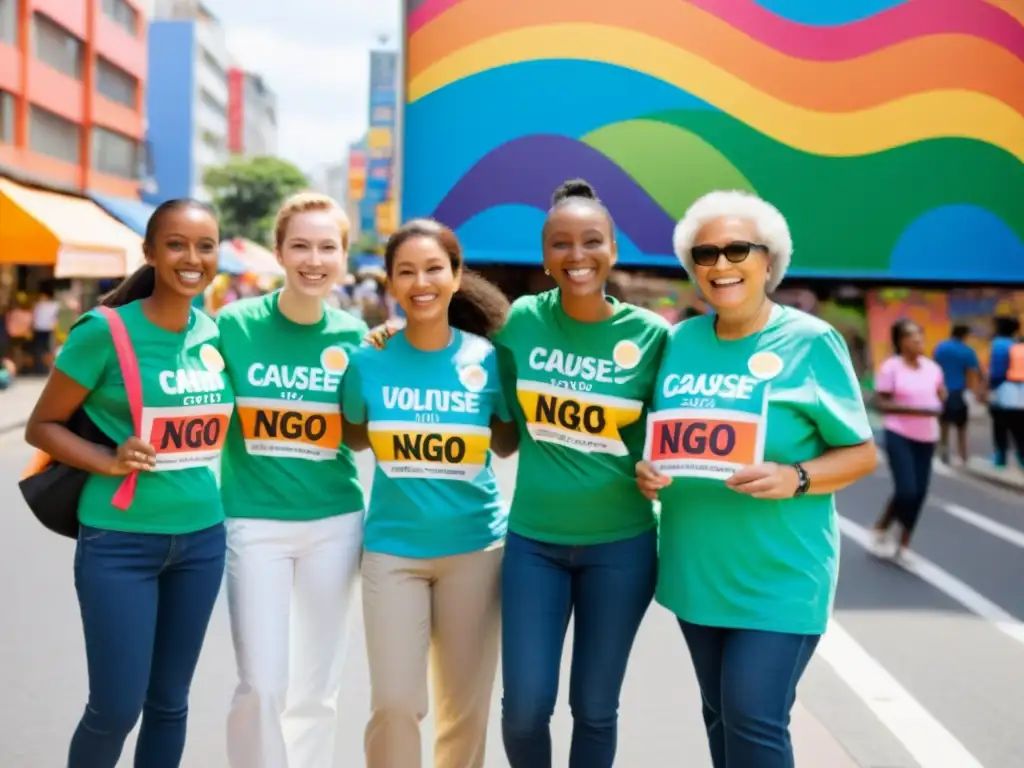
{"x":17,"y":402}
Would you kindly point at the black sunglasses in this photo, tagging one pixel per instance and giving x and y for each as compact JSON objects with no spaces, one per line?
{"x":707,"y":255}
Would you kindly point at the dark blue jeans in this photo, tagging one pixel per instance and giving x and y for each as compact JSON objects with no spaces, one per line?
{"x":146,"y":601}
{"x":609,"y":588}
{"x":748,"y":684}
{"x":910,"y":463}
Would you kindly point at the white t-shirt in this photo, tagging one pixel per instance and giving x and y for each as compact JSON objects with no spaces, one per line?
{"x":44,"y":315}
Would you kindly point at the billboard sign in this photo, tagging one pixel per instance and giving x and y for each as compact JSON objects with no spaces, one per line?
{"x":888,"y":162}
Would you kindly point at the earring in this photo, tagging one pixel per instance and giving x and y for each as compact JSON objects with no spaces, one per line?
{"x":547,"y":272}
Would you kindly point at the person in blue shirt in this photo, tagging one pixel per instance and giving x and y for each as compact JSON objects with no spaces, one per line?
{"x":1006,"y":422}
{"x":429,"y":405}
{"x":961,"y":371}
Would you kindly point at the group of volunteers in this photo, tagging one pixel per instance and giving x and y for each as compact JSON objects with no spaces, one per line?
{"x":742,"y":423}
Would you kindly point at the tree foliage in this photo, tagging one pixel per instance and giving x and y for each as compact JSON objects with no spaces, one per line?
{"x":248,"y":192}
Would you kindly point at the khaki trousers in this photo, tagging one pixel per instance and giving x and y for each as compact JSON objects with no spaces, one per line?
{"x":446,"y":610}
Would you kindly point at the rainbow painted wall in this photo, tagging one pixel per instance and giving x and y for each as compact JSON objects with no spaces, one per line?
{"x":890,"y":132}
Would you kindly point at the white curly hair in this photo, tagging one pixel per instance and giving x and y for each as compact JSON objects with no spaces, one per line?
{"x":770,"y":224}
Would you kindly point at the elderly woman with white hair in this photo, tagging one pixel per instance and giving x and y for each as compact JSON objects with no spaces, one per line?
{"x":757,"y":421}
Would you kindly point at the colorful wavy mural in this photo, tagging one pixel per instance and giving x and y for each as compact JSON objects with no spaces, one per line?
{"x":890,"y":132}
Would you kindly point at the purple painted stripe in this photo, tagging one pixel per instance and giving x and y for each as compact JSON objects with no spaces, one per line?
{"x":527,"y":170}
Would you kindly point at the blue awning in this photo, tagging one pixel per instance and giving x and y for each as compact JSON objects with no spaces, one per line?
{"x":228,"y":262}
{"x":134,"y":214}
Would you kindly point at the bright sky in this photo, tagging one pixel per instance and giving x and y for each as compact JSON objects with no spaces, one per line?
{"x":315,"y":55}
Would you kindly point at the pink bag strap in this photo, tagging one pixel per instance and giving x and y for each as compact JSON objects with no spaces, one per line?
{"x":133,"y":388}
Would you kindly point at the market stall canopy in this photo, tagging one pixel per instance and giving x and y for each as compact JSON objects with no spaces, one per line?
{"x":71,"y":234}
{"x":134,"y":214}
{"x":227,"y":262}
{"x":254,"y":258}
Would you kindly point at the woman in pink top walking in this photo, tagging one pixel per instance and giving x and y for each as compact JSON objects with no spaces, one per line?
{"x":910,"y":392}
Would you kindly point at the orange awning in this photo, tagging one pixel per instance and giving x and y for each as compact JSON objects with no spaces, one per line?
{"x":73,"y":235}
{"x":256,"y":259}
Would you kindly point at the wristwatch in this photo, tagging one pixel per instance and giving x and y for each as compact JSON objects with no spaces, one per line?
{"x":803,"y":480}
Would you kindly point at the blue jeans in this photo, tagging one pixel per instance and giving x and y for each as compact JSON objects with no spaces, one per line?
{"x":146,"y":601}
{"x":609,"y":588}
{"x":910,"y":463}
{"x":748,"y":684}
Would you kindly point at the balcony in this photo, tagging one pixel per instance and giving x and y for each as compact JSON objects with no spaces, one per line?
{"x":117,"y":117}
{"x":40,"y":168}
{"x":116,"y":186}
{"x":10,"y":69}
{"x":70,"y":14}
{"x":118,"y":47}
{"x":55,"y":91}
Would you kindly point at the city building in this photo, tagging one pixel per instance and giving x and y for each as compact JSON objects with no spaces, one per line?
{"x":72,"y":84}
{"x":332,"y":179}
{"x":252,"y":115}
{"x":187,"y":103}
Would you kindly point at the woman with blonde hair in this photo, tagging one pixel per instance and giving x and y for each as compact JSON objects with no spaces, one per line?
{"x":292,"y":496}
{"x":757,"y":421}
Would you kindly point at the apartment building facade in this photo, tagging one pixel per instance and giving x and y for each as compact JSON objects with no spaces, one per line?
{"x":187,"y":106}
{"x":252,"y":115}
{"x":73,"y":78}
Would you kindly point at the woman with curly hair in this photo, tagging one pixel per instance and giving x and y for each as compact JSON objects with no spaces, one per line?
{"x":430,"y":407}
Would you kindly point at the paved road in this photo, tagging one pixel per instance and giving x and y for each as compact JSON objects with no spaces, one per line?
{"x":920,"y":669}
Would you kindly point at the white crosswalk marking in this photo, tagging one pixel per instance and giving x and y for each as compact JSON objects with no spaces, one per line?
{"x":986,"y":524}
{"x":924,"y":737}
{"x":946,"y":583}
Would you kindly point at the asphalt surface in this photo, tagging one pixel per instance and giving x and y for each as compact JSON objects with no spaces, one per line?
{"x":921,"y":668}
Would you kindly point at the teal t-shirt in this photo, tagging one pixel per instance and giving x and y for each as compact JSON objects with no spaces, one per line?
{"x":580,"y":392}
{"x":284,"y":459}
{"x":428,"y":415}
{"x":785,"y":395}
{"x":187,"y":405}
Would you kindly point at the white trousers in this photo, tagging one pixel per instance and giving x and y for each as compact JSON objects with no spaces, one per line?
{"x":290,"y":588}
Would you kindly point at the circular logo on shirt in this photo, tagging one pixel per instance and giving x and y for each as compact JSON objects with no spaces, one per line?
{"x":211,"y":358}
{"x":334,"y":360}
{"x":473,"y":378}
{"x":626,"y":354}
{"x":765,"y":365}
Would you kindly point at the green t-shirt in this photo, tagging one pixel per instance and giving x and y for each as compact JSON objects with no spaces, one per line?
{"x":579,"y":393}
{"x":187,"y":405}
{"x":284,"y":458}
{"x":785,"y":395}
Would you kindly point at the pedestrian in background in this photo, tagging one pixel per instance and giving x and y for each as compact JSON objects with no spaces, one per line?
{"x":292,"y":496}
{"x":749,"y":540}
{"x":911,"y":394}
{"x":579,"y":368}
{"x":1006,"y":391}
{"x":961,"y":372}
{"x":147,"y":578}
{"x":430,"y":406}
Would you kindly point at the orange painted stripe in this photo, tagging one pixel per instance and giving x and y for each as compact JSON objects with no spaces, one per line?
{"x":923,"y":64}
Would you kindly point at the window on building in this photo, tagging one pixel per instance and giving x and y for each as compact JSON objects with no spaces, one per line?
{"x":115,"y":153}
{"x":9,"y":22}
{"x":214,"y":65}
{"x":116,"y":84}
{"x":213,"y":141}
{"x":211,"y":103}
{"x":57,"y":47}
{"x":53,"y":136}
{"x":123,"y":15}
{"x":7,"y":118}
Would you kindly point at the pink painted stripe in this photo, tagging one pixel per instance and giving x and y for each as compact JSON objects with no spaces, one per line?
{"x":915,"y":18}
{"x":427,"y":12}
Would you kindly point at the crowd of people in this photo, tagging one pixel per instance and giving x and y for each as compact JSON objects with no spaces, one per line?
{"x":740,"y":425}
